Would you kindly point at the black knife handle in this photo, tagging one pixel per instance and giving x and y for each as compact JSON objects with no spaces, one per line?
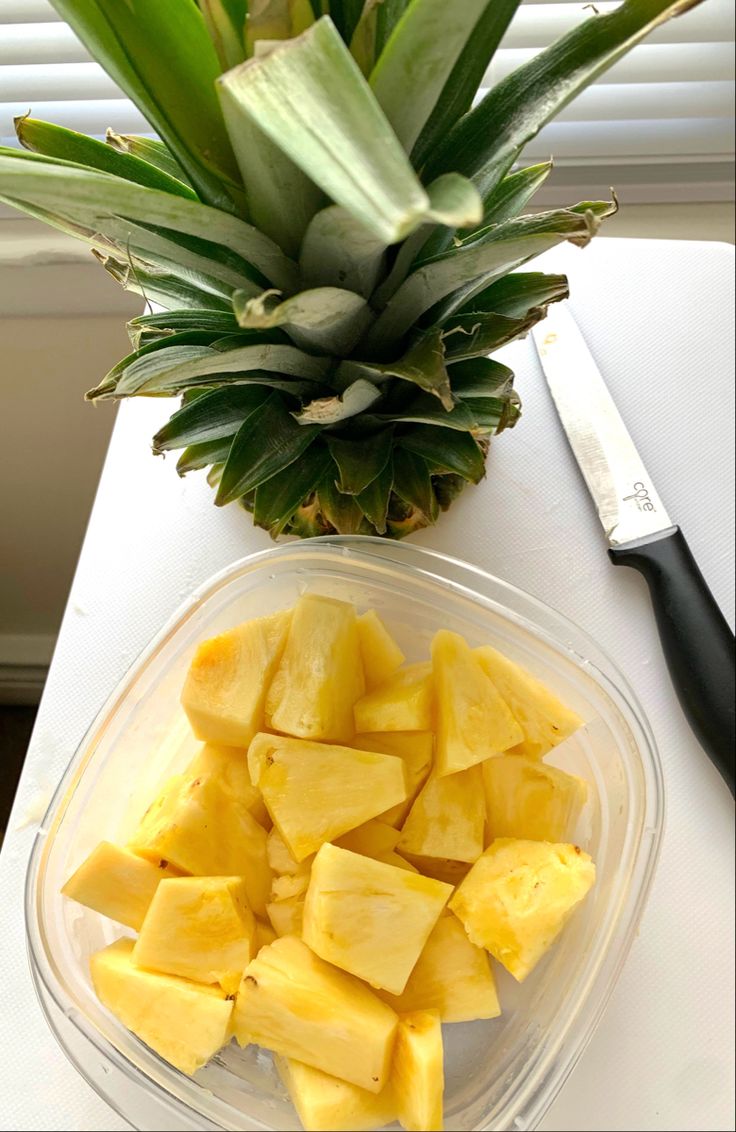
{"x":697,"y":642}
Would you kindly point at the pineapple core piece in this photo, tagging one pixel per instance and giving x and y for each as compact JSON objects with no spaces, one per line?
{"x":201,"y":928}
{"x":403,"y":703}
{"x":327,"y":1104}
{"x":202,"y":829}
{"x":225,"y":688}
{"x":518,"y":896}
{"x":415,"y":748}
{"x":117,"y":883}
{"x":229,"y":765}
{"x":473,"y":722}
{"x":320,"y":675}
{"x":370,"y":918}
{"x":452,"y":976}
{"x":380,"y":654}
{"x":315,"y":792}
{"x":527,"y":799}
{"x":185,"y":1023}
{"x":418,"y":1076}
{"x":448,"y":818}
{"x":544,"y":719}
{"x":292,"y":1002}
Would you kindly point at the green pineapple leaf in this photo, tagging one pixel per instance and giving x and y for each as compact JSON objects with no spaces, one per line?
{"x":156,"y":285}
{"x":340,"y":407}
{"x":162,"y":325}
{"x":464,"y":457}
{"x":476,"y":334}
{"x":225,"y":23}
{"x":423,"y":365}
{"x":374,"y":500}
{"x":200,"y":456}
{"x":268,"y":441}
{"x":359,"y":465}
{"x":279,"y":498}
{"x":413,"y":483}
{"x":339,"y":251}
{"x":151,"y":150}
{"x":161,"y":55}
{"x":345,"y":16}
{"x":326,"y":319}
{"x":342,"y":511}
{"x":210,"y":417}
{"x":515,"y":295}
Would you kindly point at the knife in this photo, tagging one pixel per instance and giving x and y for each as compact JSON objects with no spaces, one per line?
{"x":696,"y":640}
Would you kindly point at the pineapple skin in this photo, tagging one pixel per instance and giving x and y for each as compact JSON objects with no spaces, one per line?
{"x":403,"y":703}
{"x":473,"y":721}
{"x":225,"y":689}
{"x":452,"y":976}
{"x":370,"y":918}
{"x":327,"y":1104}
{"x":447,"y":819}
{"x":293,"y":1003}
{"x":529,"y":800}
{"x":519,"y":895}
{"x":117,"y":883}
{"x":320,"y":675}
{"x":203,"y":830}
{"x":418,"y":1076}
{"x":345,"y":788}
{"x":545,"y":721}
{"x":200,"y":928}
{"x":185,"y":1023}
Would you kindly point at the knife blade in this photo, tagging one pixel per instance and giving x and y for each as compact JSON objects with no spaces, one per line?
{"x":697,"y":643}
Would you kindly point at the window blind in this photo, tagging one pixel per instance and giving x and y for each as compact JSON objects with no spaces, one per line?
{"x":659,"y":122}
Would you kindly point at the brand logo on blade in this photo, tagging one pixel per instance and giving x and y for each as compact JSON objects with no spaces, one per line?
{"x":641,"y":497}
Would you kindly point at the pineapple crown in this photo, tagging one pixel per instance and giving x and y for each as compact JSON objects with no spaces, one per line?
{"x":328,"y":226}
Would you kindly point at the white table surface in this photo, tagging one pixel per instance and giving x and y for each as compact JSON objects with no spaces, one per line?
{"x":659,"y":317}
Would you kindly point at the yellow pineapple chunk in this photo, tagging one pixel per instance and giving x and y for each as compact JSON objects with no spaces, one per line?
{"x":369,"y":918}
{"x":528,"y":799}
{"x":327,"y":1104}
{"x":380,"y":654}
{"x":418,"y":1076}
{"x":452,"y":976}
{"x":451,"y":872}
{"x":201,"y":928}
{"x":117,"y":883}
{"x":415,"y":748}
{"x":225,"y":688}
{"x":544,"y":719}
{"x":399,"y":863}
{"x":473,"y":722}
{"x":403,"y":703}
{"x":518,"y":896}
{"x":265,"y":935}
{"x":280,"y":858}
{"x":315,"y":792}
{"x":286,"y":916}
{"x":374,"y":839}
{"x":185,"y":1023}
{"x":283,"y":888}
{"x":447,"y":819}
{"x":203,"y":829}
{"x":229,"y":765}
{"x":293,"y":1003}
{"x":320,"y":675}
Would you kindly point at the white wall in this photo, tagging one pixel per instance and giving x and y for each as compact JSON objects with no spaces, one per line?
{"x":52,"y":444}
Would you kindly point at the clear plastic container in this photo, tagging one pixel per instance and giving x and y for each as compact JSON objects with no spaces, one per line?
{"x":500,"y":1074}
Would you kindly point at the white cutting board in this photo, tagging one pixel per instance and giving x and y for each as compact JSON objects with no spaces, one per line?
{"x":658,"y":315}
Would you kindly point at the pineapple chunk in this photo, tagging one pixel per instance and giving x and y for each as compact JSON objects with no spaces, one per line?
{"x":374,"y":839}
{"x":473,"y":722}
{"x":399,"y":863}
{"x":286,"y":916}
{"x":283,"y":888}
{"x":327,"y":1104}
{"x":265,"y":935}
{"x":315,"y":792}
{"x":403,"y":703}
{"x":452,"y":976}
{"x":418,"y":1075}
{"x":185,"y":1023}
{"x":369,"y":918}
{"x":544,"y":719}
{"x":518,"y":896}
{"x":380,"y":654}
{"x":117,"y":883}
{"x":293,"y":1003}
{"x":415,"y":748}
{"x":280,"y":859}
{"x":527,"y":799}
{"x":202,"y":829}
{"x":225,"y":688}
{"x":320,"y":675}
{"x":447,"y":819}
{"x":451,"y":872}
{"x":229,"y":765}
{"x":200,"y":928}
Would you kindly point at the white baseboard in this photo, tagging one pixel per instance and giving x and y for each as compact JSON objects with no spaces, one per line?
{"x":24,"y":665}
